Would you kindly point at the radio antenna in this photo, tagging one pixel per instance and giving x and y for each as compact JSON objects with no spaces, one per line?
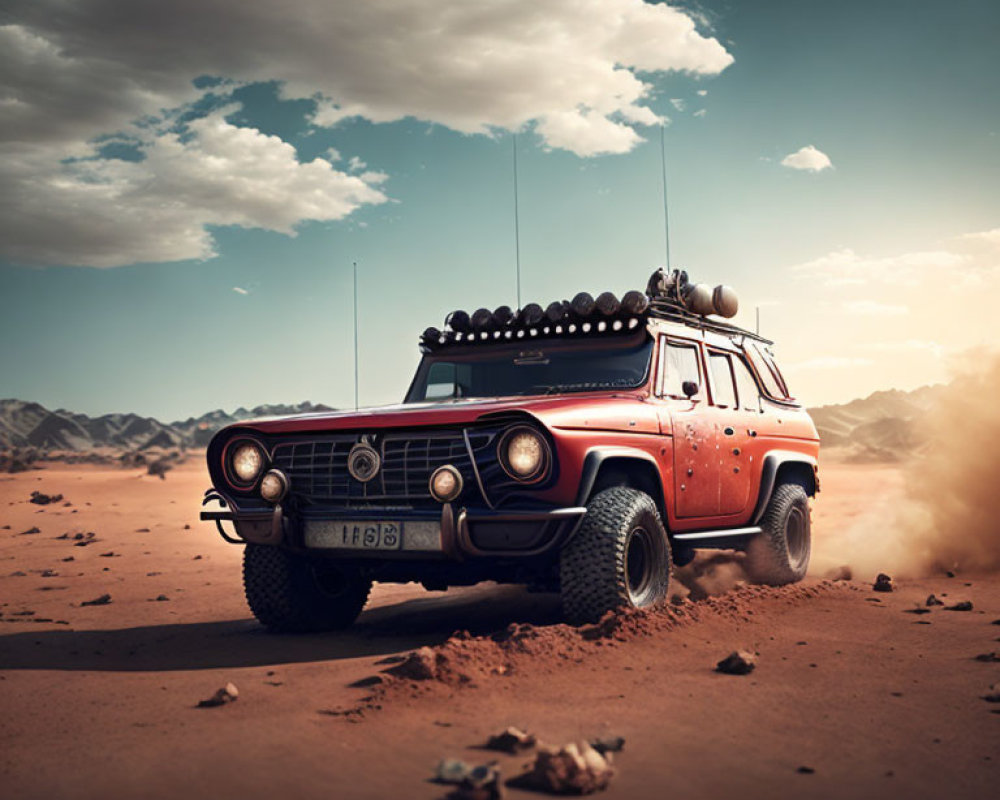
{"x":517,"y":228}
{"x":663,"y":169}
{"x":355,"y":335}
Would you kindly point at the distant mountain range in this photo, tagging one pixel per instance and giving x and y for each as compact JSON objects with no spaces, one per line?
{"x":25,"y":424}
{"x":881,"y":427}
{"x":885,"y":426}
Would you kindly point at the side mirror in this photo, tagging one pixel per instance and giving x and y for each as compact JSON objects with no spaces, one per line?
{"x":690,"y":388}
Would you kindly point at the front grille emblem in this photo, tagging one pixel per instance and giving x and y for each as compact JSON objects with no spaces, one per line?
{"x":363,"y":462}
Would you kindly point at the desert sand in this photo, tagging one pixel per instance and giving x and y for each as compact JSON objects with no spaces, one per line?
{"x":99,"y":701}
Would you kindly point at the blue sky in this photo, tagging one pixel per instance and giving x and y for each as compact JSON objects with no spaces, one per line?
{"x":877,"y":271}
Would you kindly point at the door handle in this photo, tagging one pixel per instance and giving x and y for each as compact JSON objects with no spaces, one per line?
{"x":728,"y":431}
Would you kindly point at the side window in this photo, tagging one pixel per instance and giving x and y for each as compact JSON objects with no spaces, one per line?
{"x":678,"y":363}
{"x":764,"y":370}
{"x":746,"y":386}
{"x":723,"y":390}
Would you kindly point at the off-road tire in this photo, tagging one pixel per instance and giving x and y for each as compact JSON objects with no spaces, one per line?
{"x":594,"y":567}
{"x":780,"y":553}
{"x":288,"y":593}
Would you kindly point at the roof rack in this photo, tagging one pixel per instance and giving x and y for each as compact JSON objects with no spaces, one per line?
{"x":671,"y":312}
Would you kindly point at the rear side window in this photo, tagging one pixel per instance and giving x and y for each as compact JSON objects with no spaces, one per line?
{"x":723,"y":389}
{"x":767,"y":370}
{"x":678,"y":363}
{"x":746,"y":386}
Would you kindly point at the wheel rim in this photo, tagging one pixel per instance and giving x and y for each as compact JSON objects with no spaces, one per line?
{"x":796,"y":536}
{"x":639,"y":561}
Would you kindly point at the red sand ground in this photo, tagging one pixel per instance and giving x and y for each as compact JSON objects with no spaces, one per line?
{"x":878,"y":704}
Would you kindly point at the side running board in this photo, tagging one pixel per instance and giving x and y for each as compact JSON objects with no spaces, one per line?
{"x":723,"y":533}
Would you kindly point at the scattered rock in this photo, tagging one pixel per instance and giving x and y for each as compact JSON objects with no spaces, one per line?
{"x":187,"y":527}
{"x":29,"y":532}
{"x":109,"y":554}
{"x":42,"y":499}
{"x":993,"y":695}
{"x":883,"y":583}
{"x":481,"y":783}
{"x":49,"y":573}
{"x":420,"y":665}
{"x":103,"y":600}
{"x":142,"y":530}
{"x":161,"y":598}
{"x":917,"y":610}
{"x":68,"y":558}
{"x":989,"y":658}
{"x":608,"y":744}
{"x":842,"y":573}
{"x":965,"y":605}
{"x":573,"y":769}
{"x":451,"y":770}
{"x":739,"y":662}
{"x":197,"y":558}
{"x":19,"y":574}
{"x":805,"y":771}
{"x":933,"y":601}
{"x":227,"y":694}
{"x":512,"y":741}
{"x":160,"y":468}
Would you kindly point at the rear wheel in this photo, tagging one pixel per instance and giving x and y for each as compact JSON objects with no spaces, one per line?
{"x":619,"y":558}
{"x":291,"y":594}
{"x":780,"y":553}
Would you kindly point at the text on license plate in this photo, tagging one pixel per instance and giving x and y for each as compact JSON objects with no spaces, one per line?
{"x":368,"y":535}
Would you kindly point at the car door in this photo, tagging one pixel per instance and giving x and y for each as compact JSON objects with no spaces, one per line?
{"x":696,"y":462}
{"x":735,"y":458}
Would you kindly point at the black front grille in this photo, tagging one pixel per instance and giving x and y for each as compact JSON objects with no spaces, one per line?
{"x":317,"y":467}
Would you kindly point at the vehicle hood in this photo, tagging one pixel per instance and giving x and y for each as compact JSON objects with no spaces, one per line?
{"x":625,"y":411}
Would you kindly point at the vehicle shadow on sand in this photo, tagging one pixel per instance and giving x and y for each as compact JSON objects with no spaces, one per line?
{"x":384,"y":630}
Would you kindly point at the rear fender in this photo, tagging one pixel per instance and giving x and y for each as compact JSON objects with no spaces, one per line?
{"x":604,"y":467}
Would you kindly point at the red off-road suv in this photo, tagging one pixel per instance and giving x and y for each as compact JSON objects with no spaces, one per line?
{"x":583,"y":448}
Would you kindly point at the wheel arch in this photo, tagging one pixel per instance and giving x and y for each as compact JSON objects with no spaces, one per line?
{"x":784,"y":466}
{"x":604,"y":467}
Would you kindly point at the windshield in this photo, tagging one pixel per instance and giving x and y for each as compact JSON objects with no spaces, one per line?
{"x":532,"y":369}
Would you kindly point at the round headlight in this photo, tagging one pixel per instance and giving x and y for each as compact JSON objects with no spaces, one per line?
{"x":273,"y":486}
{"x":247,"y":462}
{"x":446,"y":484}
{"x":524,"y":454}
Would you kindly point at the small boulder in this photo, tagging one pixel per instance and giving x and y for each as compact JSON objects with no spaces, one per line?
{"x":227,"y":694}
{"x":481,"y":783}
{"x":883,"y":583}
{"x":964,"y":605}
{"x":42,"y":499}
{"x":420,"y":665}
{"x":739,"y":662}
{"x":451,"y":770}
{"x":573,"y":769}
{"x":933,"y":601}
{"x":103,"y":600}
{"x":989,"y":658}
{"x":32,"y":530}
{"x":993,"y":695}
{"x":511,"y":741}
{"x":608,"y":744}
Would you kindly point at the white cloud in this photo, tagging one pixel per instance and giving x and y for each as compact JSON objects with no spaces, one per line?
{"x":808,"y":158}
{"x":70,"y":72}
{"x":991,"y":237}
{"x":240,"y":290}
{"x":845,"y":267}
{"x":872,"y":308}
{"x":355,"y":164}
{"x":678,"y":103}
{"x":702,"y":92}
{"x":109,"y":212}
{"x":700,"y":112}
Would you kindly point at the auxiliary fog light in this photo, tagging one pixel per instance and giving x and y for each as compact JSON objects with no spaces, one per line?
{"x":446,"y":483}
{"x":274,"y":486}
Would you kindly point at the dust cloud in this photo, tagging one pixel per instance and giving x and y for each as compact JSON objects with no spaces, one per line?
{"x":942,"y":510}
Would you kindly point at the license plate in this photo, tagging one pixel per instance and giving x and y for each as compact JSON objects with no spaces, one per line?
{"x":366,"y":535}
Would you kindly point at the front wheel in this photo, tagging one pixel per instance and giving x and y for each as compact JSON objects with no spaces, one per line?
{"x":291,"y":594}
{"x":619,"y":558}
{"x":780,"y":553}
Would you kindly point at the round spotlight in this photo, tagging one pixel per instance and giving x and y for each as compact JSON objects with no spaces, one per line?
{"x":616,"y":325}
{"x":524,"y":454}
{"x":482,"y":319}
{"x":699,"y":299}
{"x":458,"y":321}
{"x":531,"y":314}
{"x":583,"y":305}
{"x":246,"y":463}
{"x":725,"y":301}
{"x":633,"y":323}
{"x":446,"y":483}
{"x":274,"y":486}
{"x":503,"y":315}
{"x":607,"y":304}
{"x":555,"y":311}
{"x":635,"y":302}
